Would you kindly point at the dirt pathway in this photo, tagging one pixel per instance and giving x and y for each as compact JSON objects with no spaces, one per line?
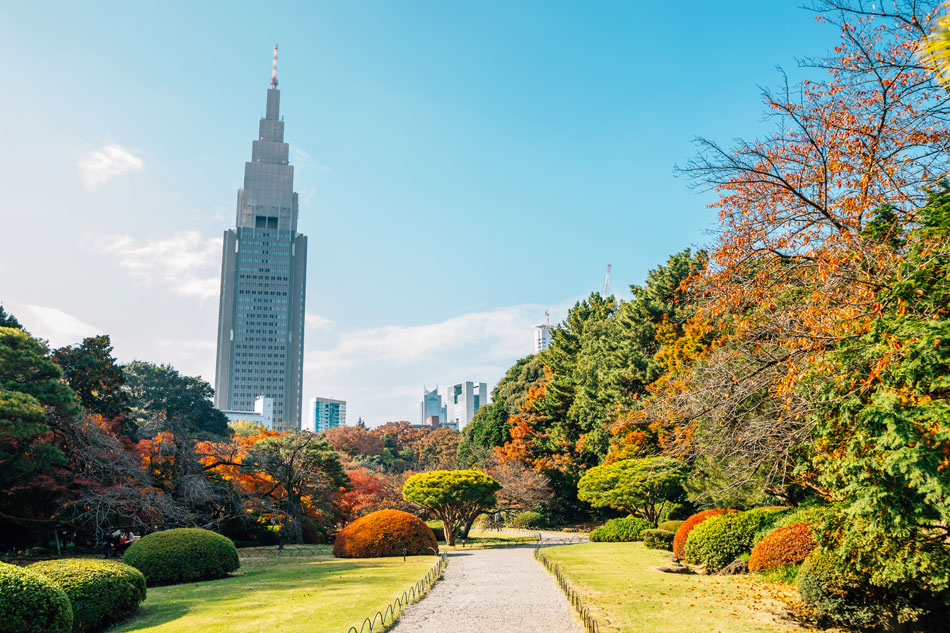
{"x":501,"y":590}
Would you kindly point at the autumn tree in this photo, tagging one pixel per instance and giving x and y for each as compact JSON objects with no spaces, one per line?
{"x":307,"y":478}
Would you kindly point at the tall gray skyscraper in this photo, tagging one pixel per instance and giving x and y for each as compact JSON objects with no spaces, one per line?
{"x":263,"y":282}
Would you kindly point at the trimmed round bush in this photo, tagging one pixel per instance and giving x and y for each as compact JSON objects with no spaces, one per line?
{"x":100,"y":591}
{"x":385,"y":533}
{"x":836,"y":595}
{"x":670,"y":526}
{"x":182,"y":555}
{"x":717,"y":542}
{"x":658,"y":538}
{"x":528,"y":520}
{"x":625,"y":529}
{"x":682,"y":533}
{"x":32,"y":603}
{"x":787,"y":545}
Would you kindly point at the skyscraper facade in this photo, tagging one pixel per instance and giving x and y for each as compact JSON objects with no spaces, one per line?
{"x":263,"y":280}
{"x":462,"y":401}
{"x":431,"y":406}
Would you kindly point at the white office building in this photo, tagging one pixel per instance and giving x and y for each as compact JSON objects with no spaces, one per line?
{"x":262,"y":415}
{"x":462,"y":401}
{"x":542,"y":336}
{"x":324,"y":414}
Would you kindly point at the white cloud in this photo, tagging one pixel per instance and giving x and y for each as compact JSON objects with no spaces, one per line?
{"x":477,"y":346}
{"x":186,"y":262}
{"x":58,"y":327}
{"x":317,"y":322}
{"x":101,"y":165}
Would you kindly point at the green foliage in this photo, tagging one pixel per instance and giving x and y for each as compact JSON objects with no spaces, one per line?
{"x":8,"y":320}
{"x":455,"y":496}
{"x":31,"y":392}
{"x":100,"y":591}
{"x":880,"y":433}
{"x":184,"y":400}
{"x":31,"y":603}
{"x":92,"y":372}
{"x":836,"y":594}
{"x":672,"y":526}
{"x":489,"y":427}
{"x":677,"y":512}
{"x":182,"y":555}
{"x":528,"y":520}
{"x":806,"y":513}
{"x":625,"y":529}
{"x":658,"y":538}
{"x":719,"y":540}
{"x":638,"y":486}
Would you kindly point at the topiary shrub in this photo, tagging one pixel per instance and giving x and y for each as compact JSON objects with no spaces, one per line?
{"x":811,"y":513}
{"x":676,"y":512}
{"x":100,"y":591}
{"x":182,"y":555}
{"x":658,"y":538}
{"x":621,"y":530}
{"x":716,"y":543}
{"x":528,"y":520}
{"x":385,"y":533}
{"x":682,"y":533}
{"x":787,"y":545}
{"x":670,"y":526}
{"x":32,"y":603}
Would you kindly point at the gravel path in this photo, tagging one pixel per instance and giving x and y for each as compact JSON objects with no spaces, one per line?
{"x":501,"y":590}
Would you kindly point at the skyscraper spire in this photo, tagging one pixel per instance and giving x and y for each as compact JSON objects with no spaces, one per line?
{"x":273,"y":75}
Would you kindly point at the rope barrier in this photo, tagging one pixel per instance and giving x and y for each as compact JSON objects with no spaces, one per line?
{"x":385,"y":618}
{"x":590,"y":623}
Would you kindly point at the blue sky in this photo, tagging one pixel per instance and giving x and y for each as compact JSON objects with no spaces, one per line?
{"x":461,"y":166}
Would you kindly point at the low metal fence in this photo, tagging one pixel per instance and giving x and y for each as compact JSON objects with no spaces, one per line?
{"x":590,"y":623}
{"x":388,"y":616}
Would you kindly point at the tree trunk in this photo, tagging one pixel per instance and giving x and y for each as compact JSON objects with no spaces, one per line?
{"x":448,"y":529}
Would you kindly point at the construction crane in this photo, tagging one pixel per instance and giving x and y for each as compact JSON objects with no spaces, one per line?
{"x":607,"y":283}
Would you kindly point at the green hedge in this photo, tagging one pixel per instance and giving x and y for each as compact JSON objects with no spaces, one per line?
{"x":670,"y":526}
{"x":528,"y":520}
{"x":719,"y":540}
{"x":659,"y":538}
{"x":32,"y":603}
{"x":100,"y":591}
{"x":625,"y":529}
{"x":182,"y":555}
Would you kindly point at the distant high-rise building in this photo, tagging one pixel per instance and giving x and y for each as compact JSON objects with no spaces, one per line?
{"x":542,"y":336}
{"x":325,"y":413}
{"x":431,"y":406}
{"x":263,"y":413}
{"x":263,"y":280}
{"x":462,"y":401}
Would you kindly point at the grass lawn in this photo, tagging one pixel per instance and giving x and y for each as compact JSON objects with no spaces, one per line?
{"x":618,"y":584}
{"x":299,"y":591}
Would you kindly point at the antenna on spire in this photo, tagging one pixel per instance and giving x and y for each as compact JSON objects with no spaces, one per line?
{"x":547,"y":317}
{"x":273,"y":75}
{"x":607,"y":283}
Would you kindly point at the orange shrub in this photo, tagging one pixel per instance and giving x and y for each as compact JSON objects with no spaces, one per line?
{"x":385,"y":533}
{"x":679,"y":541}
{"x":785,"y":546}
